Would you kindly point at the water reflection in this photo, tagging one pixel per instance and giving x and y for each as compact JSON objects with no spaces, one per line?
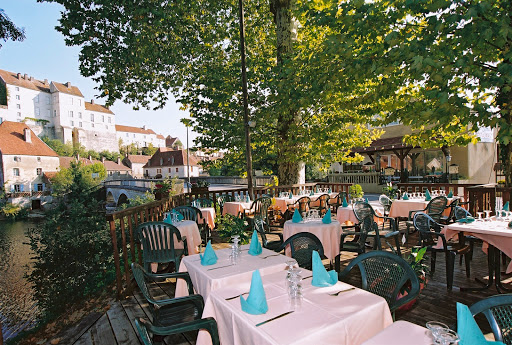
{"x":17,"y":307}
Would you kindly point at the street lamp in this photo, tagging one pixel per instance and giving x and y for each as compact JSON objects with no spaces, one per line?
{"x":247,"y":123}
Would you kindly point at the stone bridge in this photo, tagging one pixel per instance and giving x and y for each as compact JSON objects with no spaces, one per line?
{"x":120,"y":191}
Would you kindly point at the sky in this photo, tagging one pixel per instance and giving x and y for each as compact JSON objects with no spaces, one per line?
{"x":44,"y":55}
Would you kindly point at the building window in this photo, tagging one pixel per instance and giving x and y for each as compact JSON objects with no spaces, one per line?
{"x":39,"y":187}
{"x":72,"y":123}
{"x":147,"y":173}
{"x":92,"y":125}
{"x":38,"y":112}
{"x":16,"y":188}
{"x":18,"y":106}
{"x":18,"y":97}
{"x":158,"y":171}
{"x":79,"y":102}
{"x":80,"y":124}
{"x":55,"y":113}
{"x":109,"y":120}
{"x":176,"y":169}
{"x":102,"y":118}
{"x":17,"y":88}
{"x":161,"y":161}
{"x":19,"y":114}
{"x":17,"y":158}
{"x":169,"y":169}
{"x":16,"y":171}
{"x":47,"y":99}
{"x":71,"y":113}
{"x":134,"y":135}
{"x":55,"y":99}
{"x":36,"y":99}
{"x":39,"y":171}
{"x":39,"y":159}
{"x":71,"y":100}
{"x":106,"y":127}
{"x":79,"y":115}
{"x":92,"y":117}
{"x":127,"y":134}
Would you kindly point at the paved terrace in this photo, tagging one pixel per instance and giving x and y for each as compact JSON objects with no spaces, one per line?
{"x":435,"y":303}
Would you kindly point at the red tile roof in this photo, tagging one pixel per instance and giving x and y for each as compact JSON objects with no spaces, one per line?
{"x":160,"y":136}
{"x":121,"y":128}
{"x":97,"y":107}
{"x":71,"y":90}
{"x":141,"y":159}
{"x":386,"y":144}
{"x":11,"y":78}
{"x":113,"y":166}
{"x":166,"y":154}
{"x":12,"y":141}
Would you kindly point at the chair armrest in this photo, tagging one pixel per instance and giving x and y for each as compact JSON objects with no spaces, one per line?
{"x":437,"y":234}
{"x":280,"y":234}
{"x":197,"y":300}
{"x":207,"y":324}
{"x":411,"y":212}
{"x":391,"y":234}
{"x":185,"y":246}
{"x":178,"y":275}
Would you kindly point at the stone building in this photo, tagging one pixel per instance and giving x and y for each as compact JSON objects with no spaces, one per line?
{"x":24,"y":159}
{"x":170,"y":163}
{"x":139,"y":136}
{"x":136,"y":164}
{"x":57,"y":110}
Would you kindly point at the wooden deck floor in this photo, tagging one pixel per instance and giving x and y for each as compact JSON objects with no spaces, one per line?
{"x":435,"y":303}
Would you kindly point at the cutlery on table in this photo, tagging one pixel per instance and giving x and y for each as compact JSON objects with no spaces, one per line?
{"x":230,"y":298}
{"x":274,"y":318}
{"x":270,"y":256}
{"x":338,"y":292}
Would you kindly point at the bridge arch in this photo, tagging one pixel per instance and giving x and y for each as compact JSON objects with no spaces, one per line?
{"x":110,"y":198}
{"x":123,"y":199}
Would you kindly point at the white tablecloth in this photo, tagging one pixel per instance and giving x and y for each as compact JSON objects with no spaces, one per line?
{"x":401,"y":208}
{"x":328,"y":234}
{"x":208,"y":214}
{"x":349,"y":318}
{"x":209,"y":278}
{"x":235,"y":207}
{"x":402,"y":333}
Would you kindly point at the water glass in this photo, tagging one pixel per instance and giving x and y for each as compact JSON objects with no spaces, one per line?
{"x":236,"y":253}
{"x":436,"y":328}
{"x":487,"y":215}
{"x":295,"y":294}
{"x":290,"y":265}
{"x":448,"y":337}
{"x":480,"y":214}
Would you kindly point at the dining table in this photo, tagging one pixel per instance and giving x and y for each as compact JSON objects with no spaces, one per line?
{"x":209,"y":278}
{"x":328,"y":234}
{"x":401,"y":208}
{"x":402,"y":333}
{"x":236,"y":208}
{"x":349,"y":318}
{"x":208,"y":214}
{"x":496,"y":237}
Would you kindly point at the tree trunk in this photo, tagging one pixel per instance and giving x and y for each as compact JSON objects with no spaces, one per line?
{"x":504,"y":101}
{"x":289,"y":165}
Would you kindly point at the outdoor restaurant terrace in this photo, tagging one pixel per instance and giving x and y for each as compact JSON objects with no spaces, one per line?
{"x":362,"y":306}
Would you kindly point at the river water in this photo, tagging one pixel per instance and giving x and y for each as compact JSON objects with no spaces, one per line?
{"x":18,"y":309}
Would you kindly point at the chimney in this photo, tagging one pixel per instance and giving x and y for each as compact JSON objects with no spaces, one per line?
{"x":19,"y":75}
{"x":27,"y":135}
{"x":92,"y":101}
{"x":68,"y":84}
{"x":26,"y":76}
{"x":46,"y":82}
{"x":119,"y":160}
{"x":31,"y":78}
{"x":103,"y":159}
{"x":144,"y":127}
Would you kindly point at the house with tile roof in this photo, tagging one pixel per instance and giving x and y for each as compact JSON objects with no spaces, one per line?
{"x":171,"y":163}
{"x":136,"y":164}
{"x":139,"y":136}
{"x":57,"y":110}
{"x":24,"y":159}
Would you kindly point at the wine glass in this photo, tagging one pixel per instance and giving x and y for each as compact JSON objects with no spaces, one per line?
{"x":435,"y":327}
{"x":448,"y":337}
{"x":487,"y":215}
{"x":235,"y":250}
{"x":480,"y":214}
{"x":290,"y":265}
{"x":295,"y":288}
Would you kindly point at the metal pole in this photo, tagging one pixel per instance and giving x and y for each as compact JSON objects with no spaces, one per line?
{"x":248,"y":154}
{"x":188,"y":166}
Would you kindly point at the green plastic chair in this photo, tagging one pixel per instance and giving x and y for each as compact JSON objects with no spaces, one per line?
{"x":385,"y":274}
{"x":259,"y":226}
{"x":203,"y":202}
{"x":303,"y":205}
{"x":324,"y":203}
{"x":434,"y":209}
{"x":145,"y":327}
{"x":302,"y":245}
{"x":451,"y":217}
{"x":386,"y":202}
{"x":363,"y":210}
{"x":157,"y":240}
{"x":358,"y":244}
{"x":259,"y":208}
{"x":188,"y":212}
{"x":430,"y":231}
{"x":221,"y":199}
{"x":498,"y":311}
{"x":339,"y":201}
{"x":170,"y":311}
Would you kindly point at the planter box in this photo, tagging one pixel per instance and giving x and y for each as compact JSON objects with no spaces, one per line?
{"x":199,"y":190}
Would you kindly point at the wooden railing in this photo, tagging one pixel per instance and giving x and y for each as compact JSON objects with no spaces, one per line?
{"x":27,"y":194}
{"x":483,"y":197}
{"x":460,"y":190}
{"x":122,"y":224}
{"x":357,"y":178}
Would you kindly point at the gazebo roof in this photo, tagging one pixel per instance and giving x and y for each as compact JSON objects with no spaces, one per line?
{"x":386,"y":144}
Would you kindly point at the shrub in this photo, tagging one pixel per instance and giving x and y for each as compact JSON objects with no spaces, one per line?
{"x":73,"y":252}
{"x":13,"y":212}
{"x":355,"y":191}
{"x":229,"y":225}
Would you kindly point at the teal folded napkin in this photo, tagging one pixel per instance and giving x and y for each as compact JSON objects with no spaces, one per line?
{"x":506,"y":207}
{"x":208,"y":257}
{"x":178,"y":215}
{"x":255,"y":248}
{"x":428,"y":197}
{"x":510,"y":225}
{"x":327,"y":217}
{"x":321,"y":277}
{"x":405,"y":196}
{"x":256,"y":302}
{"x":467,"y":328}
{"x":330,"y":190}
{"x":297,"y":218}
{"x":345,"y":203}
{"x":311,"y":193}
{"x":466,"y":220}
{"x":450,"y":195}
{"x":367,"y":201}
{"x":291,"y":195}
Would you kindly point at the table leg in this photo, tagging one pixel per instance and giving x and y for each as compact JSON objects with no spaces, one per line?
{"x":491,"y":269}
{"x":497,"y":271}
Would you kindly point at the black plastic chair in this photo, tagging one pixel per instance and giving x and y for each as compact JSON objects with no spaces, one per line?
{"x":363,"y":210}
{"x":460,"y":213}
{"x":302,"y":245}
{"x":259,"y":208}
{"x":358,"y":244}
{"x":302,"y":204}
{"x":430,"y":231}
{"x":323,"y":203}
{"x":385,"y":274}
{"x":157,"y":239}
{"x":169,"y":311}
{"x":202,"y":225}
{"x":203,"y":202}
{"x":434,"y":209}
{"x":498,"y":311}
{"x":221,"y":199}
{"x":338,"y":201}
{"x":144,"y":328}
{"x":451,"y":217}
{"x":259,"y":226}
{"x":188,"y":212}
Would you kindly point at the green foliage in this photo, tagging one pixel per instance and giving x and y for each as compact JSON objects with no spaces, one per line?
{"x":3,"y":94}
{"x":72,"y":249}
{"x":92,"y":174}
{"x":314,"y":172}
{"x":273,"y":183}
{"x":390,"y":191}
{"x":138,"y":200}
{"x":168,"y":186}
{"x":229,"y":225}
{"x":14,"y":212}
{"x":417,"y":260}
{"x":73,"y":150}
{"x":355,"y":191}
{"x":9,"y":31}
{"x":149,"y":150}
